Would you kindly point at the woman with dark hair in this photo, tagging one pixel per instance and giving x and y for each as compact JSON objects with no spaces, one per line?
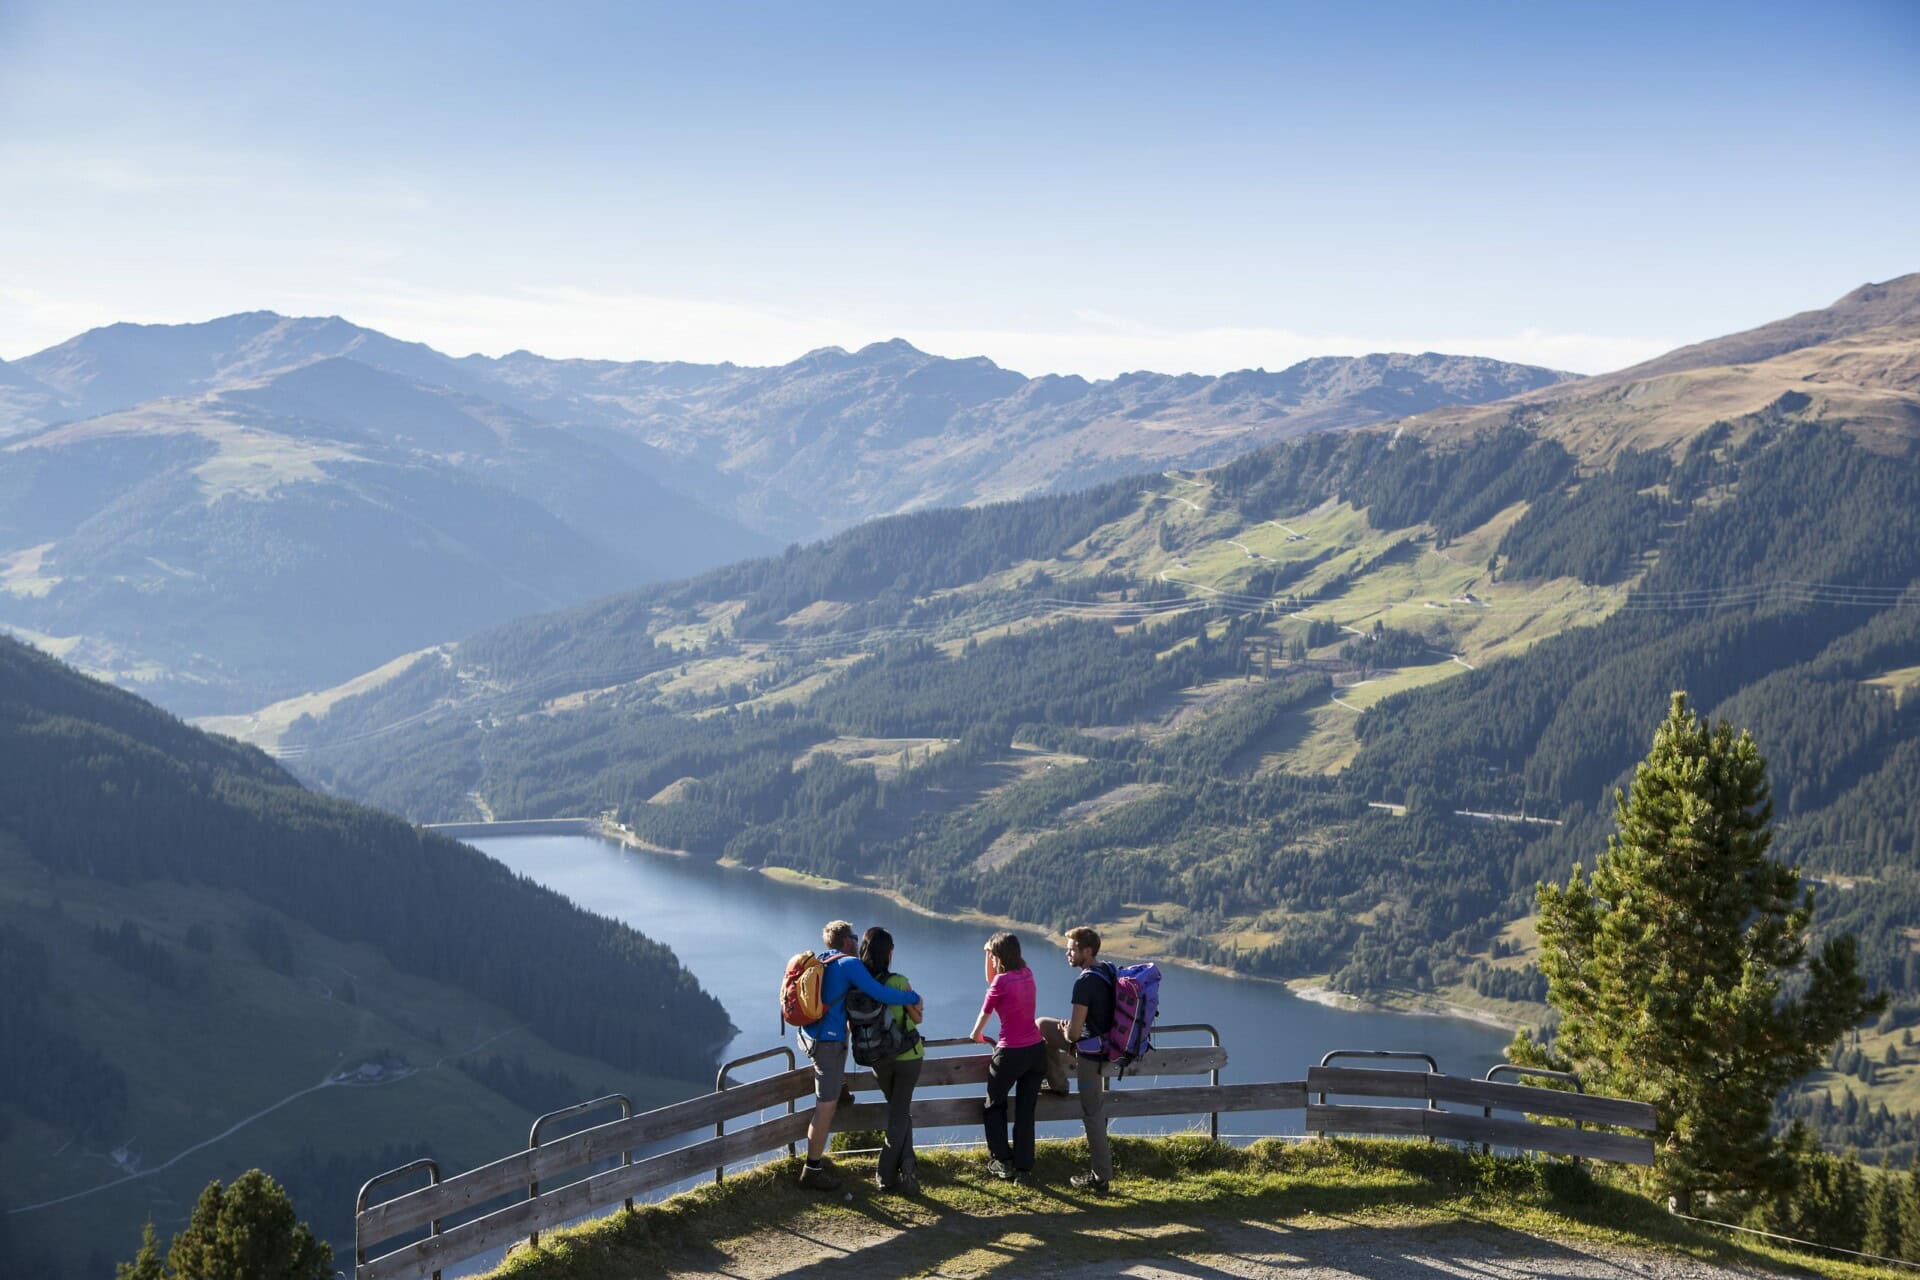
{"x":897,"y":1075}
{"x":1019,"y":1058}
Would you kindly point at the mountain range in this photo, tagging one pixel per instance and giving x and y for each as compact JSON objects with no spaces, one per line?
{"x":227,"y":513}
{"x":1324,"y":713}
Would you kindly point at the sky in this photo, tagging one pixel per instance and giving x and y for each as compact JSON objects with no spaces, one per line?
{"x":1062,"y":188}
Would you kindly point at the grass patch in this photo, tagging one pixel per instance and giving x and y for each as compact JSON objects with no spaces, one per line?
{"x":805,"y":879}
{"x":1172,"y":1197}
{"x":1901,"y":683}
{"x":882,"y":755}
{"x":1320,"y":740}
{"x":1397,"y":680}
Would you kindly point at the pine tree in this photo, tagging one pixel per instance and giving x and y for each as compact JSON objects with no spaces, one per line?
{"x":1910,"y":1213}
{"x":1825,"y":1206}
{"x":146,"y":1263}
{"x":1667,"y":966}
{"x":1882,"y":1234}
{"x":247,"y":1231}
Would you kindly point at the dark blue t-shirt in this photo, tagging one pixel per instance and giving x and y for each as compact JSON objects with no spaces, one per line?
{"x":1094,"y":989}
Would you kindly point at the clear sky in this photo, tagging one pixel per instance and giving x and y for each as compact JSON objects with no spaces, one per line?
{"x":1060,"y":187}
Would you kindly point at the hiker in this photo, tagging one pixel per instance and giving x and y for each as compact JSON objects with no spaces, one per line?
{"x":825,"y":1041}
{"x":1019,"y":1058}
{"x":898,"y":1072}
{"x":1079,"y":1043}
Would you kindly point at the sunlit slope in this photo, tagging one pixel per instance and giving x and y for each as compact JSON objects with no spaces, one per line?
{"x":1855,"y":364}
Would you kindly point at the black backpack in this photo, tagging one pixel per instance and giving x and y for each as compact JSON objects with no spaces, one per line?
{"x":874,"y":1035}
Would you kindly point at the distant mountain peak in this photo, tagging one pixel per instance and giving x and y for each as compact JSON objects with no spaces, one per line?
{"x":892,"y":346}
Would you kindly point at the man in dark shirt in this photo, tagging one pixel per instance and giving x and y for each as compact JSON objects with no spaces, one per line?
{"x":1080,"y":1042}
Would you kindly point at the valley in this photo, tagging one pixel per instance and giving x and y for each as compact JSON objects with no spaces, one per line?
{"x":1325,"y":713}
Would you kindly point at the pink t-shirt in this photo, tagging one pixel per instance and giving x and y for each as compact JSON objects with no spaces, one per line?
{"x":1012,"y":996}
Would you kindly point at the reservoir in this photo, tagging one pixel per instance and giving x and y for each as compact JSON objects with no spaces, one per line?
{"x":735,"y":929}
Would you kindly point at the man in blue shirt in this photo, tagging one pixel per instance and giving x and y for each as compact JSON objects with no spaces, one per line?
{"x":826,"y":1040}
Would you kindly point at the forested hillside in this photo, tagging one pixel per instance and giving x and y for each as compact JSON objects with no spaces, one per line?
{"x":1325,"y":713}
{"x":195,"y":946}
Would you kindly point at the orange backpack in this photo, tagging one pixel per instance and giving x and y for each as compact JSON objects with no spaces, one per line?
{"x":800,"y":1003}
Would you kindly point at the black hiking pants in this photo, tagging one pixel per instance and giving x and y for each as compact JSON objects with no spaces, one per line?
{"x":1017,"y":1071}
{"x":897,"y":1080}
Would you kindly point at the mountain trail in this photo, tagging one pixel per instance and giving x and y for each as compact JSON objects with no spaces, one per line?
{"x":1317,"y":1247}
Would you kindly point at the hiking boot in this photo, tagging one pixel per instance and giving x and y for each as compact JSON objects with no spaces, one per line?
{"x":1089,"y":1182}
{"x":819,"y":1178}
{"x":1000,"y":1169}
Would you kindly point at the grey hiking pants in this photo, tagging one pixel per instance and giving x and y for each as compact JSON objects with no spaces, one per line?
{"x":897,"y":1080}
{"x":1091,"y":1090}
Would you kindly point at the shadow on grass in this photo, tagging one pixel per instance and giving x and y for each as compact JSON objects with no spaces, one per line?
{"x":1273,"y":1205}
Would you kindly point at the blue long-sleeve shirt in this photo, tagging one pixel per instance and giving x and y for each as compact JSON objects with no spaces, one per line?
{"x":844,"y":973}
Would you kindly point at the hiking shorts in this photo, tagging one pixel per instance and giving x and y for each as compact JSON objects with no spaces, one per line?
{"x":829,"y":1068}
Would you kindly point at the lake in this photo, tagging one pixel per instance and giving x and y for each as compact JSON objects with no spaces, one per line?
{"x":736,"y":929}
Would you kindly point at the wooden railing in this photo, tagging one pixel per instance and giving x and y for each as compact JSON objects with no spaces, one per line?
{"x":462,"y":1216}
{"x":1432,"y":1089}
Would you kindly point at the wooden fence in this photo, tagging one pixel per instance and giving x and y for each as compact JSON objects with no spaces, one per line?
{"x":524,"y":1180}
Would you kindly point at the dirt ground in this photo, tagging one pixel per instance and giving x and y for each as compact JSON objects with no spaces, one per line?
{"x":1317,"y":1248}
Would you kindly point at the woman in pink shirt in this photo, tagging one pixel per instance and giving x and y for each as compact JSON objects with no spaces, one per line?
{"x":1019,"y":1058}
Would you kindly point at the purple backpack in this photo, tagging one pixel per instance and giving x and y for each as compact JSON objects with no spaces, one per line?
{"x":1136,"y":1003}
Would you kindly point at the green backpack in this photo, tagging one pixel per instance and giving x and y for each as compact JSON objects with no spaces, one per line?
{"x":874,"y":1034}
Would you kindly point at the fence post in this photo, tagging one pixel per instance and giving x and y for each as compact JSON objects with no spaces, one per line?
{"x":1404,"y":1055}
{"x":360,"y":1203}
{"x":578,"y":1108}
{"x":720,"y":1086}
{"x":1213,"y":1076}
{"x":1519,"y":1070}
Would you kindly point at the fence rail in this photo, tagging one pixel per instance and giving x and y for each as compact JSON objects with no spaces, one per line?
{"x":1485,"y":1128}
{"x":531,"y":1173}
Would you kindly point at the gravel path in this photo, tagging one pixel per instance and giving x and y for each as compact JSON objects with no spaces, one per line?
{"x":1385,"y":1253}
{"x":1314,"y":1248}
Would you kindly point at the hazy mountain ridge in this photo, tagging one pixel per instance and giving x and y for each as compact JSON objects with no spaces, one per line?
{"x":279,"y":536}
{"x":237,"y":511}
{"x":811,"y":446}
{"x":806,"y":448}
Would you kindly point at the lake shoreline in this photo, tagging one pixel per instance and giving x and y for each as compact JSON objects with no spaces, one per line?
{"x":1312,"y":991}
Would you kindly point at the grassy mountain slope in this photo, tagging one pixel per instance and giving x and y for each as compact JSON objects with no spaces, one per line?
{"x":210,"y":968}
{"x":1894,"y":303}
{"x":1854,"y":363}
{"x":1325,"y":713}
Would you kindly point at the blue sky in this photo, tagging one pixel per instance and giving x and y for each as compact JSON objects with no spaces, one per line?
{"x":1062,"y":188}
